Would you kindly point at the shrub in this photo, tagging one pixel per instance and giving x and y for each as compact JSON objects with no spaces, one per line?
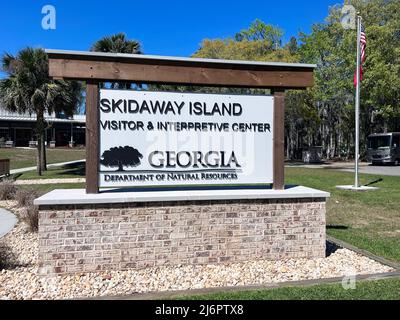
{"x":7,"y":190}
{"x":25,"y":197}
{"x":31,"y":218}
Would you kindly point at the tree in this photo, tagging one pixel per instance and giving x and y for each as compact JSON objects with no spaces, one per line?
{"x":120,"y":157}
{"x":381,"y":85}
{"x":28,"y":88}
{"x":231,"y":49}
{"x":301,"y":122}
{"x":333,"y":49}
{"x":259,"y":31}
{"x":292,"y":46}
{"x":324,"y":115}
{"x":117,"y":43}
{"x":260,"y":42}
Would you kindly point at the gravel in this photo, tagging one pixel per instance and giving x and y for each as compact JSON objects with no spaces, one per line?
{"x":20,"y":281}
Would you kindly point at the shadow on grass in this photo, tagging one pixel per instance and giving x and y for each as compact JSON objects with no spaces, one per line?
{"x":77,"y":169}
{"x":336,"y":227}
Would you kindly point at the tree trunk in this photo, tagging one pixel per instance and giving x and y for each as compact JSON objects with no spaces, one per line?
{"x":287,"y":146}
{"x":120,"y":167}
{"x":43,"y":154}
{"x":38,"y":158}
{"x":41,"y":159}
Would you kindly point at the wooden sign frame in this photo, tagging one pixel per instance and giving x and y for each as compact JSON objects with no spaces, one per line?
{"x":94,"y":68}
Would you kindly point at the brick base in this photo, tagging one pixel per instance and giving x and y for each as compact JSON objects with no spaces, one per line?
{"x":83,"y":238}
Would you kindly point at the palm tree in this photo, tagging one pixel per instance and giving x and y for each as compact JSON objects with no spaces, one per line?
{"x":28,"y":88}
{"x":117,"y":43}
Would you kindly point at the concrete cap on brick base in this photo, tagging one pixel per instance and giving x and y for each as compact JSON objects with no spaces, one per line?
{"x":79,"y":196}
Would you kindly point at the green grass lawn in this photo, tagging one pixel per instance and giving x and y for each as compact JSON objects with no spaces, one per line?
{"x":365,"y":290}
{"x":368,"y":220}
{"x":22,"y":158}
{"x":76,"y":170}
{"x":42,"y":189}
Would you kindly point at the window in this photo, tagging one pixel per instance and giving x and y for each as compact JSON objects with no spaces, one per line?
{"x":379,"y":142}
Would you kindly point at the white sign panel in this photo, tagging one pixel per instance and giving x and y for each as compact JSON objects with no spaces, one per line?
{"x":184,"y":139}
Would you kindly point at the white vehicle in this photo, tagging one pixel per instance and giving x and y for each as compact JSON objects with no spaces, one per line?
{"x":384,"y":148}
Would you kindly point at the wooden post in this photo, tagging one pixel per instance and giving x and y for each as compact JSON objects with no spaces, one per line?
{"x":92,"y":136}
{"x":279,"y":139}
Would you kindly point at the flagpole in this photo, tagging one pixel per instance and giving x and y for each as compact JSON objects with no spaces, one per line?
{"x":357,"y":138}
{"x":361,"y":44}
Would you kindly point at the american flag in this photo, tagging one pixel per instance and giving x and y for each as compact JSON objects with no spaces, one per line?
{"x":363,"y":45}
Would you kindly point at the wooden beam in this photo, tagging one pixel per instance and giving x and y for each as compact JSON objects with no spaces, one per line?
{"x":279,"y":141}
{"x":92,"y":136}
{"x":207,"y":74}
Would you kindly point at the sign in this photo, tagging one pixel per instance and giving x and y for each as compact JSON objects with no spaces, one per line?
{"x":184,"y":139}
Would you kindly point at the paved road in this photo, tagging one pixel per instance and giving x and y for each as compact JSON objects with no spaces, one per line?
{"x":7,"y":222}
{"x":385,"y":170}
{"x":378,"y":170}
{"x":49,"y":166}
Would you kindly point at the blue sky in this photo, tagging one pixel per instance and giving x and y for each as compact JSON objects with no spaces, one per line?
{"x":163,"y":27}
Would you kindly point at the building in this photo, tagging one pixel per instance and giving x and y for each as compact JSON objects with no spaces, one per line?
{"x":18,"y":130}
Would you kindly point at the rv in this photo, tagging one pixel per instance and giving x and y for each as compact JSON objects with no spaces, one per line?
{"x":384,"y":148}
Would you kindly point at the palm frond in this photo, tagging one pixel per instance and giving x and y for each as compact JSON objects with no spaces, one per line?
{"x":8,"y":63}
{"x":28,"y":87}
{"x":117,"y":43}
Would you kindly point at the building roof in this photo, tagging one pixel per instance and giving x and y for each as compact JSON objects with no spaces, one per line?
{"x":13,"y":116}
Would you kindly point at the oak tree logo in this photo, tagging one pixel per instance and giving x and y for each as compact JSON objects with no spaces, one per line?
{"x":121,"y":157}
